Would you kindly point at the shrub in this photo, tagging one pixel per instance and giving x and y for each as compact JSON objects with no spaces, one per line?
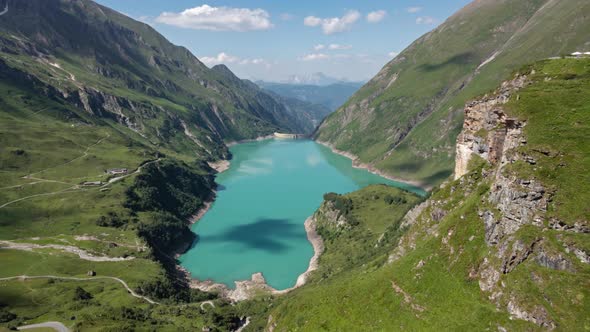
{"x":80,"y":294}
{"x":110,"y":220}
{"x":6,"y":316}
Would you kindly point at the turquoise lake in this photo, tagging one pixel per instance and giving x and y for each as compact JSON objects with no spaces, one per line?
{"x":256,"y":222}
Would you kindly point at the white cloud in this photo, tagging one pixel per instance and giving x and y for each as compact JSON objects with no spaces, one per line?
{"x":231,"y":59}
{"x":314,"y":56}
{"x":220,"y":58}
{"x":376,"y":16}
{"x":312,"y":21}
{"x":206,"y":17}
{"x":333,"y":25}
{"x":339,"y":47}
{"x":393,"y":54}
{"x":256,"y":61}
{"x":332,"y":47}
{"x":425,"y":20}
{"x":414,"y":9}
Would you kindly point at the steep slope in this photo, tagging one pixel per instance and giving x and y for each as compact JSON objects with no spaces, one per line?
{"x":405,"y":120}
{"x":298,"y":117}
{"x":114,"y":67}
{"x":314,"y":113}
{"x":106,"y":131}
{"x":505,"y":246}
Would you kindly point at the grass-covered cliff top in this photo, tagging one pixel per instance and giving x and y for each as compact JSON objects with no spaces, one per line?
{"x":556,"y":107}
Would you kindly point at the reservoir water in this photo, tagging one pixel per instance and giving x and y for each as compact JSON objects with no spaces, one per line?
{"x":256,"y":221}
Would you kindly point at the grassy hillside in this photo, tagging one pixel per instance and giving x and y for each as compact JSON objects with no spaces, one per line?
{"x":445,"y":274}
{"x":368,"y":224}
{"x":49,"y":150}
{"x":406,"y":119}
{"x":114,"y":67}
{"x":84,"y":89}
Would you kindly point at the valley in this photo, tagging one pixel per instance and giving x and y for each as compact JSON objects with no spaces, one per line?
{"x":143,"y":190}
{"x":255,"y":223}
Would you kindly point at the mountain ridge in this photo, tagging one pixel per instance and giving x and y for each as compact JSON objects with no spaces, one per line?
{"x":413,"y":126}
{"x":109,"y":64}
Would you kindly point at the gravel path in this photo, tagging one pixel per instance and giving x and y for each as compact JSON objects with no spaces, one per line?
{"x":59,"y":327}
{"x":83,"y":254}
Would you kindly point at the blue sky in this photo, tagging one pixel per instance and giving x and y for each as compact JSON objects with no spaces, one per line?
{"x":273,"y":39}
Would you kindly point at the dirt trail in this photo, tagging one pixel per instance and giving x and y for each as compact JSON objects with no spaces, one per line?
{"x":70,"y":249}
{"x":74,"y":188}
{"x":134,"y":294}
{"x":39,"y":180}
{"x":59,"y":327}
{"x":207,"y":302}
{"x":84,"y":154}
{"x":71,"y":189}
{"x":137,"y":171}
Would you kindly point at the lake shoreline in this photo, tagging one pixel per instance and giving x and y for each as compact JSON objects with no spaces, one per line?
{"x":220,"y":166}
{"x":356,"y":163}
{"x":246,"y":289}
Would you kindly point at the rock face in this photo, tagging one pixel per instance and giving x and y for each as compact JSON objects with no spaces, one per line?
{"x":487,"y":131}
{"x":332,"y":216}
{"x":512,"y":208}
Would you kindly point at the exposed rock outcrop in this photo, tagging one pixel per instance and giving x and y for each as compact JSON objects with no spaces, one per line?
{"x":512,"y":208}
{"x":487,"y":131}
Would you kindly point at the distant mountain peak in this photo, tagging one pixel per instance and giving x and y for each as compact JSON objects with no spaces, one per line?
{"x":312,"y":79}
{"x":224,"y":71}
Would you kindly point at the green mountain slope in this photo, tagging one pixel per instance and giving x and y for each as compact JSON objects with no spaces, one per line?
{"x":505,"y":246}
{"x":406,"y":119}
{"x":83,"y":90}
{"x":301,"y":116}
{"x":112,"y":66}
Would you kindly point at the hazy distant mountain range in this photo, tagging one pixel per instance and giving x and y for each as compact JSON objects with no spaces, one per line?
{"x":318,"y":78}
{"x":331,"y":95}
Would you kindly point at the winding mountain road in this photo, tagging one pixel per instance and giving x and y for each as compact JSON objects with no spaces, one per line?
{"x":59,"y":327}
{"x":134,"y":294}
{"x":83,"y":254}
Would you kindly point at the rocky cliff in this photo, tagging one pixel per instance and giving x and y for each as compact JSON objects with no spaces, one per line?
{"x":513,"y":205}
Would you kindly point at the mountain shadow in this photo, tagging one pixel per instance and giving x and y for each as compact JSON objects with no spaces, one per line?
{"x":264,"y":234}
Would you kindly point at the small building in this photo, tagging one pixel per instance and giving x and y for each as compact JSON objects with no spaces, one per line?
{"x":91,"y":273}
{"x":117,"y":171}
{"x":288,"y":136}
